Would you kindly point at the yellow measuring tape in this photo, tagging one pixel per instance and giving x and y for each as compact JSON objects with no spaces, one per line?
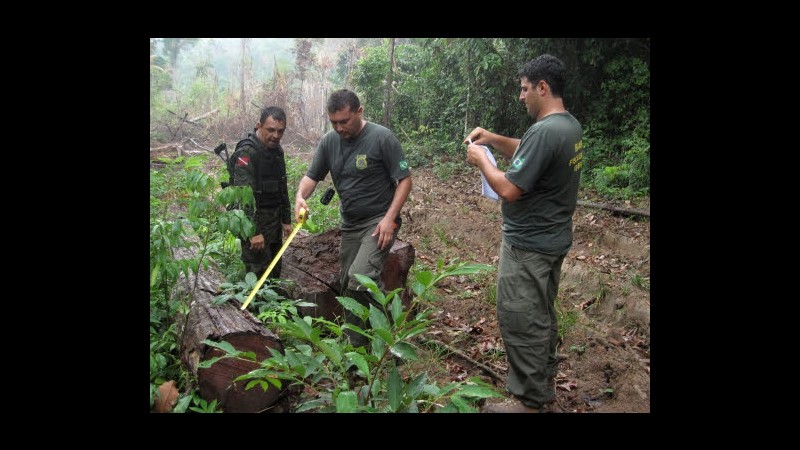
{"x":277,"y":257}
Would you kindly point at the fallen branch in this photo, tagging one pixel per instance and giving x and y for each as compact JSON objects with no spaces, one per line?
{"x":164,"y":147}
{"x":201,"y":146}
{"x":203,"y":116}
{"x":465,"y":357}
{"x":630,"y":212}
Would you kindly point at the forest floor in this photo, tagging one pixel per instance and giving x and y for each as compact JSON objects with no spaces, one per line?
{"x":603,"y":300}
{"x":604,"y":295}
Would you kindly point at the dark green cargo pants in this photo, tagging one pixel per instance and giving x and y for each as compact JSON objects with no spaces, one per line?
{"x":258,"y":261}
{"x":527,"y":286}
{"x":359,"y":254}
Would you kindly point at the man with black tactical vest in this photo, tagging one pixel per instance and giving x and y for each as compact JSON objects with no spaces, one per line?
{"x":258,"y":162}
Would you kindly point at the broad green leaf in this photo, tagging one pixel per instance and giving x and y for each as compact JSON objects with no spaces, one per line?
{"x":418,"y":329}
{"x":225,"y":346}
{"x":424,"y":278}
{"x":313,"y":404}
{"x":251,"y":279}
{"x":368,"y":283}
{"x":461,"y":404}
{"x":377,"y":318}
{"x":385,"y":335}
{"x":432,"y":390}
{"x":247,"y":355}
{"x":477,"y":392}
{"x":397,"y":308}
{"x":182,"y":404}
{"x":154,"y":274}
{"x":395,"y":387}
{"x":303,"y":326}
{"x":448,"y":387}
{"x":222,"y":222}
{"x":346,"y":402}
{"x":414,"y":388}
{"x":209,"y":362}
{"x":331,"y":351}
{"x":376,"y":388}
{"x":295,"y":364}
{"x":252,"y":383}
{"x":378,"y":348}
{"x":353,"y":306}
{"x":358,"y":360}
{"x":350,"y":326}
{"x":418,"y":288}
{"x":404,"y":350}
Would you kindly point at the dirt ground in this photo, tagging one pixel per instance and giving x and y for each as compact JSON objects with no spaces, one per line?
{"x":604,"y":296}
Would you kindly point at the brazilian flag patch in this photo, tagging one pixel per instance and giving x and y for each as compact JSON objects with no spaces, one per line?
{"x":518,"y":163}
{"x":403,"y":165}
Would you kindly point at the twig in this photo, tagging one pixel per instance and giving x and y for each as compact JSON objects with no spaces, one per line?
{"x":198,"y":145}
{"x":630,"y":212}
{"x":464,"y":356}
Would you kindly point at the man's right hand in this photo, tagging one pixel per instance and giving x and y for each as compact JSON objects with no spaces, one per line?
{"x":300,"y":203}
{"x":478,"y":136}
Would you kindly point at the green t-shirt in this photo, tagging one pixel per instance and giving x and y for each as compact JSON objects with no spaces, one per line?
{"x":546,"y":166}
{"x":365,"y":171}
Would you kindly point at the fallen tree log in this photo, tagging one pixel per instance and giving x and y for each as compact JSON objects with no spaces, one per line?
{"x":226,"y":322}
{"x":312,"y":262}
{"x":615,"y":209}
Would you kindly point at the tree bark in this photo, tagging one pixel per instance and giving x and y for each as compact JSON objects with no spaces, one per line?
{"x":223,"y":323}
{"x":312,"y":261}
{"x":628,"y":211}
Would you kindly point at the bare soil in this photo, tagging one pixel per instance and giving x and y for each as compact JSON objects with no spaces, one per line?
{"x":604,"y":296}
{"x":603,"y":300}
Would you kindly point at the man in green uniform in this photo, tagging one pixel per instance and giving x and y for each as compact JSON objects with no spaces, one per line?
{"x":371,"y":175}
{"x":259,"y":163}
{"x":539,"y":192}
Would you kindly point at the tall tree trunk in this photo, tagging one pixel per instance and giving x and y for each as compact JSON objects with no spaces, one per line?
{"x":466,"y":107}
{"x":243,"y":73}
{"x":387,"y":110}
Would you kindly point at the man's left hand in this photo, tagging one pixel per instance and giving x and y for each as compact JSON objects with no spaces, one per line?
{"x":385,"y":232}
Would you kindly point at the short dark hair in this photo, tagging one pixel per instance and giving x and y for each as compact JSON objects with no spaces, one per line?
{"x":272,"y":111}
{"x":341,"y":98}
{"x":548,"y":68}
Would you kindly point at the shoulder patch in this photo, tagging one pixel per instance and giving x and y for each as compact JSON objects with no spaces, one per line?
{"x":518,"y":163}
{"x":242,"y":161}
{"x":403,"y":165}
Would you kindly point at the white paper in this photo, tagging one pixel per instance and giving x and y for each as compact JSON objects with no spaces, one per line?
{"x":487,"y":190}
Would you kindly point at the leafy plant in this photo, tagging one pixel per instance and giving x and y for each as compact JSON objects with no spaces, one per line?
{"x":204,"y":226}
{"x":365,"y":379}
{"x":271,"y":307}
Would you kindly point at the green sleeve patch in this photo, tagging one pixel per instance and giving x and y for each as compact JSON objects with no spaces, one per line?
{"x":403,"y":165}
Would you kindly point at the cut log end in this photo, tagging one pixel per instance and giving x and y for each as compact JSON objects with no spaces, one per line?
{"x":217,"y":380}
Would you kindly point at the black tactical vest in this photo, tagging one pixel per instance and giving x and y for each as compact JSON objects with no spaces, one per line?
{"x":270,"y":173}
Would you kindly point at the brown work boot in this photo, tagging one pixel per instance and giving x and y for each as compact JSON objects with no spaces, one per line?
{"x":509,"y":405}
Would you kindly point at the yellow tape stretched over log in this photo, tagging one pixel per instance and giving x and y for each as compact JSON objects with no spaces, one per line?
{"x":275,"y":259}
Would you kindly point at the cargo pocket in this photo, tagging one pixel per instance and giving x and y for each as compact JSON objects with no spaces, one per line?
{"x":517,"y":322}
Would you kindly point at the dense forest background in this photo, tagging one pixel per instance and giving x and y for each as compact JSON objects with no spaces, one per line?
{"x":430,"y":91}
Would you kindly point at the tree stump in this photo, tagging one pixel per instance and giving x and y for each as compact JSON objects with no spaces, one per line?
{"x":223,"y":323}
{"x":312,"y":261}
